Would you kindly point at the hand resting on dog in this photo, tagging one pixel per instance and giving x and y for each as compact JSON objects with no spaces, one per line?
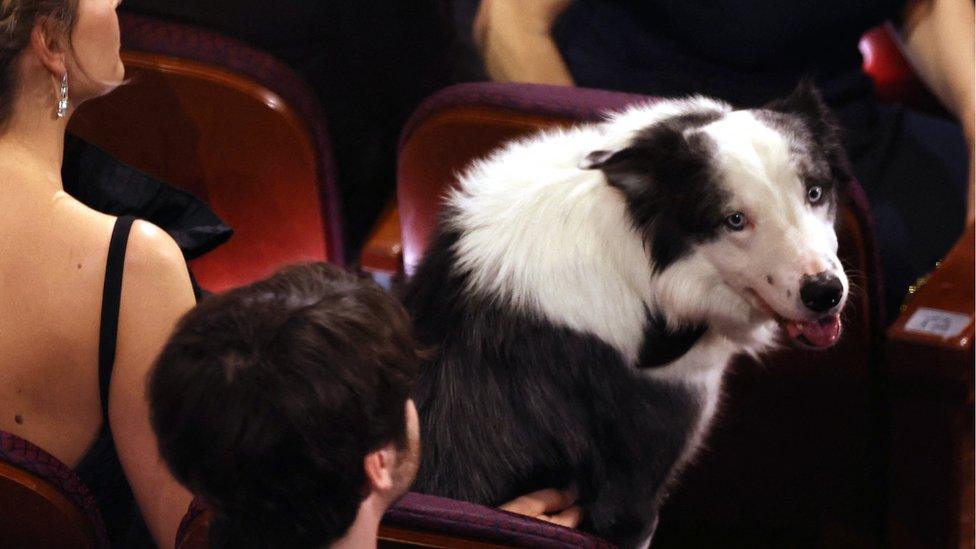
{"x":551,"y":505}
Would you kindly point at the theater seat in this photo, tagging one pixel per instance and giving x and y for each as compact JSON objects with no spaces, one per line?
{"x":419,"y":520}
{"x":43,"y":504}
{"x":236,"y":128}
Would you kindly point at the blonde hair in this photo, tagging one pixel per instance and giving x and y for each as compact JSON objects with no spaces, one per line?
{"x":17,"y":20}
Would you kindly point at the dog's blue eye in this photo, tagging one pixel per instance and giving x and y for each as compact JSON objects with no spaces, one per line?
{"x":736,"y":221}
{"x":814,"y":194}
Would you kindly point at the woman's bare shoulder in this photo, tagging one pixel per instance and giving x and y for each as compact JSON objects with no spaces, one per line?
{"x":153,"y":251}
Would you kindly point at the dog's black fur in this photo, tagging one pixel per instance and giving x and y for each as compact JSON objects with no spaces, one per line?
{"x":515,"y":404}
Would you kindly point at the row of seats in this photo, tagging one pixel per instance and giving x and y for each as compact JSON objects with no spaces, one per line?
{"x":814,"y":454}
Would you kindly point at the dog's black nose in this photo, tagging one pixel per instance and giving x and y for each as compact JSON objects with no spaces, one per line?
{"x":820,"y":292}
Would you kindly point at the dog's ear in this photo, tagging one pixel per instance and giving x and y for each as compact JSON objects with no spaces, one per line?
{"x":628,"y":169}
{"x":663,"y":156}
{"x":605,"y":159}
{"x":806,"y":102}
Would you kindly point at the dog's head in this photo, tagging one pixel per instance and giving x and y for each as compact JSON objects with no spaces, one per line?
{"x":737,"y":209}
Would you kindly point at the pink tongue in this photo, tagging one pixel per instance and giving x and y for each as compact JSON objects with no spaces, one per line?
{"x":819,"y":333}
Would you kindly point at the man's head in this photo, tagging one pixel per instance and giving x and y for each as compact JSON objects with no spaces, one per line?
{"x":285,"y":404}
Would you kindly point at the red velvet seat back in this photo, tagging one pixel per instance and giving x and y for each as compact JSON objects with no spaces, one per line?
{"x":253,"y":146}
{"x":795,"y":458}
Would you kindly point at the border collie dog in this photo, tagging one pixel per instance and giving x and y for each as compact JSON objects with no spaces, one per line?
{"x":587,"y":287}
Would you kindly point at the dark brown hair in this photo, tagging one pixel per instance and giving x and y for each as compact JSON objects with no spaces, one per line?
{"x":267,"y":399}
{"x":17,"y":20}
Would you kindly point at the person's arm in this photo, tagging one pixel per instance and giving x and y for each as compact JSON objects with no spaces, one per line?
{"x":514,"y":39}
{"x":551,"y":505}
{"x":938,"y":39}
{"x":155,"y":293}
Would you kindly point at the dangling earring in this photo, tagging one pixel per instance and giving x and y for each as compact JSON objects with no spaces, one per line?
{"x":63,"y":96}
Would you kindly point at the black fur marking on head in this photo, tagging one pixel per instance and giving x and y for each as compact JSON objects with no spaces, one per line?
{"x":666,"y":177}
{"x":804,"y":115}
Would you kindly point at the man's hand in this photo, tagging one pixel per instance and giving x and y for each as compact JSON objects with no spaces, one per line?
{"x":550,"y":505}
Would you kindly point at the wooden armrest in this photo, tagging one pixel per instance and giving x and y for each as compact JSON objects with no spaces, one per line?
{"x":37,"y":514}
{"x":939,"y":316}
{"x":382,"y":253}
{"x":391,"y":537}
{"x":930,"y":375}
{"x":929,"y":361}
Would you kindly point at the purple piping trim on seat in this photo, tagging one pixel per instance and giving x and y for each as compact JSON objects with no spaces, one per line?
{"x":586,"y":105}
{"x":26,"y":456}
{"x":451,"y":517}
{"x":583,"y":104}
{"x":147,"y":34}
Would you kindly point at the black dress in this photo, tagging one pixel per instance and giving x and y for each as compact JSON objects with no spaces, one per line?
{"x":100,"y":468}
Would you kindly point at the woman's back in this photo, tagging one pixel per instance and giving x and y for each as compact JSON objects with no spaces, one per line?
{"x":54,"y":55}
{"x":53,"y":263}
{"x":52,"y":267}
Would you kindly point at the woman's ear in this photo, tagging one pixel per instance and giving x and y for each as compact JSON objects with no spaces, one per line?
{"x":49,"y":44}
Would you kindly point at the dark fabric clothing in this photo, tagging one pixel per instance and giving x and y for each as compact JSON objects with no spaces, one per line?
{"x":745,"y":52}
{"x":369,"y":62}
{"x":912,"y":166}
{"x":99,"y":468}
{"x":913,"y":169}
{"x":102,"y":183}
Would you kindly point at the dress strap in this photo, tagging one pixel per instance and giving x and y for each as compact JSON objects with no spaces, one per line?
{"x":111,"y":300}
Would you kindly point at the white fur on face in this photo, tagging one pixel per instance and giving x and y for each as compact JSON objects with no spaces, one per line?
{"x":786,"y":238}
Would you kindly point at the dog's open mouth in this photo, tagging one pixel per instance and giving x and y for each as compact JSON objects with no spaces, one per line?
{"x":819,"y":334}
{"x":814,"y":334}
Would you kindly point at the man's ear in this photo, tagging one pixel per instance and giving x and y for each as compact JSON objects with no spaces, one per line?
{"x":50,"y":45}
{"x":380,"y":466}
